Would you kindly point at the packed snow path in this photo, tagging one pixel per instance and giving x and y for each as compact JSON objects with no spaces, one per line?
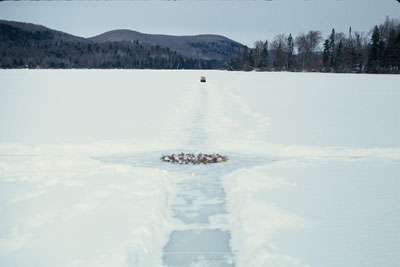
{"x":200,"y":196}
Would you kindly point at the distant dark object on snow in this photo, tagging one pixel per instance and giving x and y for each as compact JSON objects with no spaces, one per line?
{"x":202,"y":79}
{"x":183,"y":158}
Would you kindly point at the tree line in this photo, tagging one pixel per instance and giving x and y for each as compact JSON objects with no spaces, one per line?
{"x":375,"y":52}
{"x":21,"y":48}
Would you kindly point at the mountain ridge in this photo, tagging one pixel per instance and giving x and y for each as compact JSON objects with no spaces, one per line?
{"x":201,"y":46}
{"x":204,"y":46}
{"x":27,"y":26}
{"x":27,"y":45}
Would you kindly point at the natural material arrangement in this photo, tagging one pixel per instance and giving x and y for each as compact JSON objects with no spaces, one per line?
{"x":189,"y":158}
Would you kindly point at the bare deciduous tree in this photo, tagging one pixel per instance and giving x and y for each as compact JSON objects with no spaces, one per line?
{"x":258,"y":49}
{"x":307,"y":44}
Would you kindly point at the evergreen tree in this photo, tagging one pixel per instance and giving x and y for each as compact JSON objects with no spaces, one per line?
{"x":332,"y":44}
{"x":264,"y":56}
{"x":279,"y":61}
{"x":359,"y":61}
{"x":326,"y":54}
{"x":389,"y":54}
{"x":397,"y":51}
{"x":374,"y":53}
{"x":339,"y":57}
{"x":290,"y":56}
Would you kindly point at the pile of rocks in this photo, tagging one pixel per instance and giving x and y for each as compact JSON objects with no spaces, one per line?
{"x":183,"y":158}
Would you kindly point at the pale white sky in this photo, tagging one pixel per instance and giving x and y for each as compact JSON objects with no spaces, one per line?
{"x":240,"y":20}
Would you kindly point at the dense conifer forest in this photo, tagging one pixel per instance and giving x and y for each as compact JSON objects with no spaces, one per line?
{"x":21,"y":48}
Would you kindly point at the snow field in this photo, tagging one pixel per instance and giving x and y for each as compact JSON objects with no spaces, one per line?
{"x":253,"y":220}
{"x":312,"y":178}
{"x":261,"y":211}
{"x":58,"y":199}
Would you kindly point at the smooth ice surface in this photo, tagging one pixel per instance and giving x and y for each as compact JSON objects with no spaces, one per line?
{"x":312,"y":178}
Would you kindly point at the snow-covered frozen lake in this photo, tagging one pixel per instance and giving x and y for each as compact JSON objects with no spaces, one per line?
{"x":312,"y":180}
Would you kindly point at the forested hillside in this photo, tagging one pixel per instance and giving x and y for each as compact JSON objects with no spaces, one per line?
{"x":205,"y":46}
{"x":30,"y":46}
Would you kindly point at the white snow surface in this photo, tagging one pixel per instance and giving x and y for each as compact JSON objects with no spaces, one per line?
{"x":312,"y":180}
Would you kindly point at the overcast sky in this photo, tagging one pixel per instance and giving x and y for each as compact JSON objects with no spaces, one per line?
{"x":240,"y":20}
